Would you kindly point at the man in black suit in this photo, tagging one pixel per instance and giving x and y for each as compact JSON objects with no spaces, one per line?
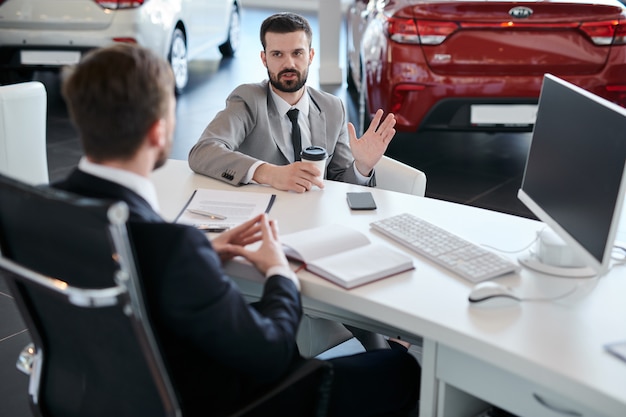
{"x":219,"y":348}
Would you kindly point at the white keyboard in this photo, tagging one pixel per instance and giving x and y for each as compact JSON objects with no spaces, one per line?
{"x":467,"y":259}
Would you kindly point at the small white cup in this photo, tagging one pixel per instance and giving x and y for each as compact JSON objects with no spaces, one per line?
{"x":316,"y":155}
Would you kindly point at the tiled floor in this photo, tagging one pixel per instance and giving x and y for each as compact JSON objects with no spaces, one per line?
{"x":478,"y":169}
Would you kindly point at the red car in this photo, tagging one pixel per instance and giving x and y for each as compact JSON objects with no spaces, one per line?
{"x":479,"y":65}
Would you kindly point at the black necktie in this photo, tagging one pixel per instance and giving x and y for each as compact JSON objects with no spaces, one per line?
{"x":295,"y":134}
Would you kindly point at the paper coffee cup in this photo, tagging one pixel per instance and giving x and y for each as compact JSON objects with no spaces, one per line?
{"x":316,"y":155}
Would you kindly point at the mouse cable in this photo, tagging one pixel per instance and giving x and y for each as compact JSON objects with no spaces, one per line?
{"x":555,"y":298}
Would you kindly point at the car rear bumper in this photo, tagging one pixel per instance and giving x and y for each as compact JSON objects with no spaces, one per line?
{"x":124,"y":28}
{"x":449,"y":106}
{"x":40,"y":57}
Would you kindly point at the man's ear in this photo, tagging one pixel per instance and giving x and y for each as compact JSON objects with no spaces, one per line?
{"x":157,"y":133}
{"x":264,"y":59}
{"x":311,"y":55}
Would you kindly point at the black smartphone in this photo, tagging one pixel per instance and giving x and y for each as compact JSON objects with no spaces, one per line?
{"x":361,"y":201}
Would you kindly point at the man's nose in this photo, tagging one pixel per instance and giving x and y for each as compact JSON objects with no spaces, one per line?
{"x":290,"y":62}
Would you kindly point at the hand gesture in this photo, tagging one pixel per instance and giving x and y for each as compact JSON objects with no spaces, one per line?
{"x":368,"y":149}
{"x":269,"y":254}
{"x":225,"y":243}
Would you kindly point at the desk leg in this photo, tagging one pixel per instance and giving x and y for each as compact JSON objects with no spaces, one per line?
{"x":439,"y":399}
{"x":453,"y":402}
{"x":429,"y":385}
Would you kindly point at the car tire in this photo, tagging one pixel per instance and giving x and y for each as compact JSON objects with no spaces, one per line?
{"x":178,"y":60}
{"x":228,"y":48}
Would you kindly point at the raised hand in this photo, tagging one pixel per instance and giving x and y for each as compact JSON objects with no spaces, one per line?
{"x":369,"y":148}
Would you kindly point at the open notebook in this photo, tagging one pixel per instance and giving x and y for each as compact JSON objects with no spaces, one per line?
{"x":344,"y":255}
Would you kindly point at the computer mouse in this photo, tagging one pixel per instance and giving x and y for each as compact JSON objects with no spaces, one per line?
{"x":490,"y":290}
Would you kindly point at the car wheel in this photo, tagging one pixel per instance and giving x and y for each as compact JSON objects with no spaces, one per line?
{"x":178,"y":60}
{"x":229,"y":47}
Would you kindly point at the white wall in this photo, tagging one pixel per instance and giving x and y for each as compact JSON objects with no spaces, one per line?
{"x":293,"y":4}
{"x":280,"y":4}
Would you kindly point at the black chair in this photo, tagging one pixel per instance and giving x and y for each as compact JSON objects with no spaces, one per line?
{"x":70,"y":266}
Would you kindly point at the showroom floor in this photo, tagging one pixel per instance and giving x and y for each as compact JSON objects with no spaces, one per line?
{"x":480,"y":169}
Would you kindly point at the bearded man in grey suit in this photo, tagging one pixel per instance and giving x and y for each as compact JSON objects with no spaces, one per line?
{"x":250,"y":140}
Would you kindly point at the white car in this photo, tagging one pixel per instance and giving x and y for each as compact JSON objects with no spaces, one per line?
{"x":46,"y":34}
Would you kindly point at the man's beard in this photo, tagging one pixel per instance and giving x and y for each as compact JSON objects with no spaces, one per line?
{"x":289,"y":86}
{"x":163,"y":156}
{"x":161,"y":161}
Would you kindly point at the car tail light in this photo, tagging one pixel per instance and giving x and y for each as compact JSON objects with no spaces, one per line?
{"x":119,"y":4}
{"x":606,"y":33}
{"x":431,"y":32}
{"x":426,"y":32}
{"x":611,"y":32}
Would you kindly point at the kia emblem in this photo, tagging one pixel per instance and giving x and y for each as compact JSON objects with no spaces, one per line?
{"x":521,"y":12}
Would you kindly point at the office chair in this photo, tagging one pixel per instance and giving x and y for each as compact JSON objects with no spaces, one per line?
{"x":394,"y":175}
{"x":70,"y":265}
{"x":23,"y":132}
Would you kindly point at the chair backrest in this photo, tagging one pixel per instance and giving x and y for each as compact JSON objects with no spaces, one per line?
{"x":69,"y":264}
{"x":394,"y":175}
{"x":23,"y":132}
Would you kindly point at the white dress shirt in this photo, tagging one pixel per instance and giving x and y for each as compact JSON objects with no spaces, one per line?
{"x":137,"y":183}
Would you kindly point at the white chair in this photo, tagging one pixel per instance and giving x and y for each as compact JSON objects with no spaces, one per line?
{"x":394,"y":175}
{"x":23,"y":132}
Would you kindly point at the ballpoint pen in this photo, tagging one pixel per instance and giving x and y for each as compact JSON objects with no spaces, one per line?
{"x":211,"y":229}
{"x":207,"y":214}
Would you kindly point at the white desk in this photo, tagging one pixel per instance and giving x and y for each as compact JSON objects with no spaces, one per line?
{"x":516,"y":356}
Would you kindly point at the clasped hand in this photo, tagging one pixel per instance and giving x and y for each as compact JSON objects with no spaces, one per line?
{"x":234,"y":242}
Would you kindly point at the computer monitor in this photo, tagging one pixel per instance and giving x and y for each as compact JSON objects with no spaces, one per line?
{"x":575,"y":178}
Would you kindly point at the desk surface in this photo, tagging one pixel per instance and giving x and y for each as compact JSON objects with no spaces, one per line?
{"x":558,"y":344}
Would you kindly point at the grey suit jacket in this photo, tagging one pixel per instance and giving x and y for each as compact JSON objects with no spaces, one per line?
{"x":249,"y":130}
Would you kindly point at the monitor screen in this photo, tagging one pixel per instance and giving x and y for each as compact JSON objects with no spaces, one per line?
{"x":574,"y":179}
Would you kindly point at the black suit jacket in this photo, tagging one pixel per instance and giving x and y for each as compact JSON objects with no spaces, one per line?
{"x":210,"y":336}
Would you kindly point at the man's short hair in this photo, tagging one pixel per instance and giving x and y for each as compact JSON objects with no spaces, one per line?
{"x":285,"y":23}
{"x":114,"y":95}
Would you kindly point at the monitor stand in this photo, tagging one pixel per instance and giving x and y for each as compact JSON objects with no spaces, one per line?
{"x":554,"y":257}
{"x":532,"y":262}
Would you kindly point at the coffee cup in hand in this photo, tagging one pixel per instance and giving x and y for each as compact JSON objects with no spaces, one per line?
{"x":316,"y":155}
